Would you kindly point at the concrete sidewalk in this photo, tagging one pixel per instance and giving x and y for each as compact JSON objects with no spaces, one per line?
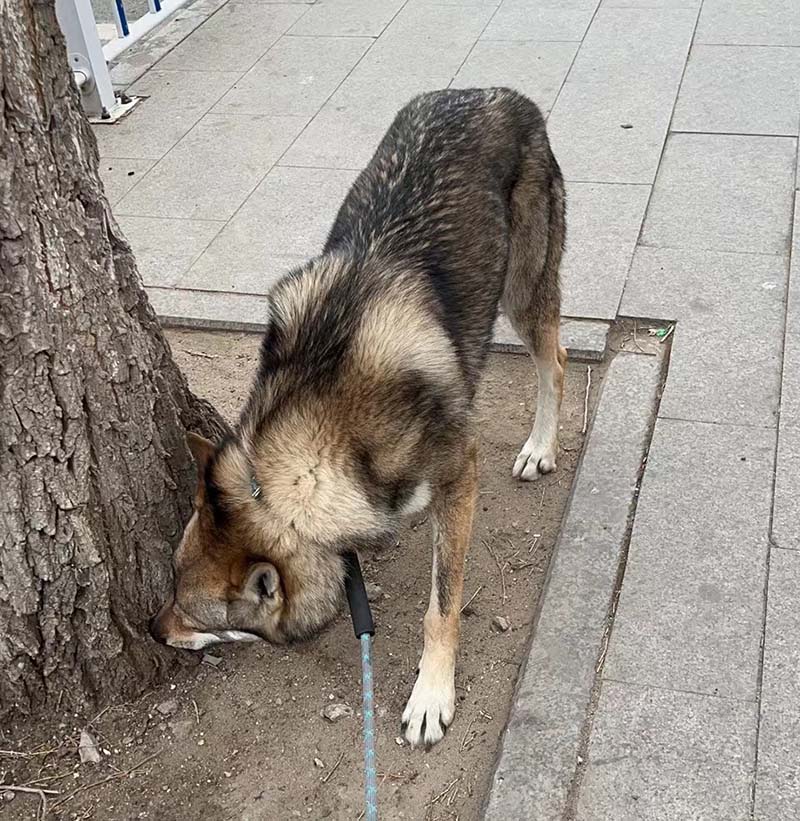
{"x":676,"y":125}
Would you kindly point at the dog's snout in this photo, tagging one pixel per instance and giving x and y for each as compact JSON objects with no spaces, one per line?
{"x":157,"y":625}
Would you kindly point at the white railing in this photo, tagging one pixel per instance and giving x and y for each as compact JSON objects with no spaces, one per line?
{"x":89,"y":58}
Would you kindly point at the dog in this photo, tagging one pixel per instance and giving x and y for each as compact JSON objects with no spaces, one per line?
{"x":361,"y":412}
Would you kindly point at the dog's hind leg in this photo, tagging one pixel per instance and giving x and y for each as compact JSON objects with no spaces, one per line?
{"x":532,"y":301}
{"x":432,"y":704}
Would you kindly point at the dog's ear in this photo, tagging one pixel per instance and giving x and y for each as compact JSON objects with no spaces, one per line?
{"x":262,"y":584}
{"x":202,"y":451}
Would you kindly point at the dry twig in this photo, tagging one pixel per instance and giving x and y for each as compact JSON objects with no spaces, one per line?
{"x":335,"y":767}
{"x":586,"y":399}
{"x":472,"y":598}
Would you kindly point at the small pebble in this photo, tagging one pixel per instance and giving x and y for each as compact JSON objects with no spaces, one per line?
{"x":501,"y":624}
{"x":318,"y":762}
{"x":167,"y":708}
{"x":400,"y":741}
{"x":214,"y":661}
{"x":8,"y":795}
{"x":201,"y":742}
{"x":374,"y":591}
{"x":333,"y":712}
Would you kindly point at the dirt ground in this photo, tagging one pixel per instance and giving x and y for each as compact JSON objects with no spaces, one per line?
{"x":241,"y":735}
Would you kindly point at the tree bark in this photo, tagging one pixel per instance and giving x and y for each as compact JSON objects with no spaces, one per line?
{"x":95,"y":477}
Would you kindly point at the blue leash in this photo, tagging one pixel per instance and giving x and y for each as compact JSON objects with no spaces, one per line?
{"x":364,"y":630}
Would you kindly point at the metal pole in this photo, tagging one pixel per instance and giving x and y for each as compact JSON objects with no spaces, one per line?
{"x":85,"y":54}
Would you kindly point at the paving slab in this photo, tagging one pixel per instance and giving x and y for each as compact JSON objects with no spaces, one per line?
{"x":120,"y":175}
{"x":690,"y":613}
{"x":142,"y":56}
{"x":214,"y":168}
{"x":347,"y":18}
{"x":584,"y":339}
{"x":536,"y":69}
{"x":603,"y":224}
{"x":209,"y":309}
{"x":609,"y":122}
{"x":428,"y":40}
{"x":726,"y":352}
{"x":750,"y":22}
{"x":166,"y":248}
{"x":723,"y":193}
{"x":778,"y":780}
{"x":234,"y":38}
{"x":350,"y":125}
{"x":781,"y":681}
{"x":662,"y":756}
{"x":740,"y":89}
{"x":541,"y":20}
{"x":285,"y":221}
{"x":540,"y":748}
{"x":786,"y":511}
{"x":174,"y":102}
{"x":790,"y":393}
{"x":295,"y":77}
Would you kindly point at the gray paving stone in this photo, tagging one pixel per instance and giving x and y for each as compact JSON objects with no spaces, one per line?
{"x":214,"y":168}
{"x":584,"y":339}
{"x":663,"y":756}
{"x":428,"y":40}
{"x":781,"y":680}
{"x":120,"y":175}
{"x":284,"y":222}
{"x":652,"y":4}
{"x":778,"y":778}
{"x":723,"y":193}
{"x":711,"y":286}
{"x":728,"y":370}
{"x":740,"y":89}
{"x":726,"y":350}
{"x":750,"y":22}
{"x":175,"y":101}
{"x":540,"y":748}
{"x":166,"y":248}
{"x":350,"y":125}
{"x":691,"y":607}
{"x":541,"y":20}
{"x":209,"y":309}
{"x":142,"y":56}
{"x":295,"y":77}
{"x":234,"y":38}
{"x":627,"y":73}
{"x":603,"y":225}
{"x":536,"y":69}
{"x":347,"y":18}
{"x":786,"y":511}
{"x":790,"y":393}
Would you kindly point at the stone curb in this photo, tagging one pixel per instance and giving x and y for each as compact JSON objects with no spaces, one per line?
{"x":211,"y":310}
{"x":541,"y":746}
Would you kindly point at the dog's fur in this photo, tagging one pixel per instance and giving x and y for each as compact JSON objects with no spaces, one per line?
{"x":361,"y":411}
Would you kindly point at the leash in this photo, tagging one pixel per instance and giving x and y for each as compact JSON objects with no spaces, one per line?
{"x":364,"y":629}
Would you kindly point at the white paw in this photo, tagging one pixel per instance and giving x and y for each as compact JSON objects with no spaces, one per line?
{"x":533,"y":461}
{"x":430,"y":709}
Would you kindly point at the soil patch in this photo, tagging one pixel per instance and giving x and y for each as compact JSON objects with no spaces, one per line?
{"x":242,"y":736}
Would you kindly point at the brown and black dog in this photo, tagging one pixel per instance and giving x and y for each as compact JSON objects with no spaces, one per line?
{"x":361,"y":411}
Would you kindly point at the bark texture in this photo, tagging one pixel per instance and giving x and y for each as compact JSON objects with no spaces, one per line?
{"x":95,"y":478}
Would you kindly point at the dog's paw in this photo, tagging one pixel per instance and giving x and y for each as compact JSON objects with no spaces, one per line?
{"x":534,"y":461}
{"x":429,"y":711}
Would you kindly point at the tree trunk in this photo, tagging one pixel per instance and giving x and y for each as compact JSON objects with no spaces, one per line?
{"x":95,"y":478}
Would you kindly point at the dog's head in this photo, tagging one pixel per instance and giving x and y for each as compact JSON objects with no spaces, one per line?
{"x":237,"y":577}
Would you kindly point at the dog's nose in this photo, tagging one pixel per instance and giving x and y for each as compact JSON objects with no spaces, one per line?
{"x":156,"y":628}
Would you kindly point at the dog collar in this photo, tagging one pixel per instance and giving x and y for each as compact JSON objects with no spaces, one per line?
{"x":255,"y":488}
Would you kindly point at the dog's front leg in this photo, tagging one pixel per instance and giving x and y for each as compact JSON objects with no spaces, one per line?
{"x":433,"y":700}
